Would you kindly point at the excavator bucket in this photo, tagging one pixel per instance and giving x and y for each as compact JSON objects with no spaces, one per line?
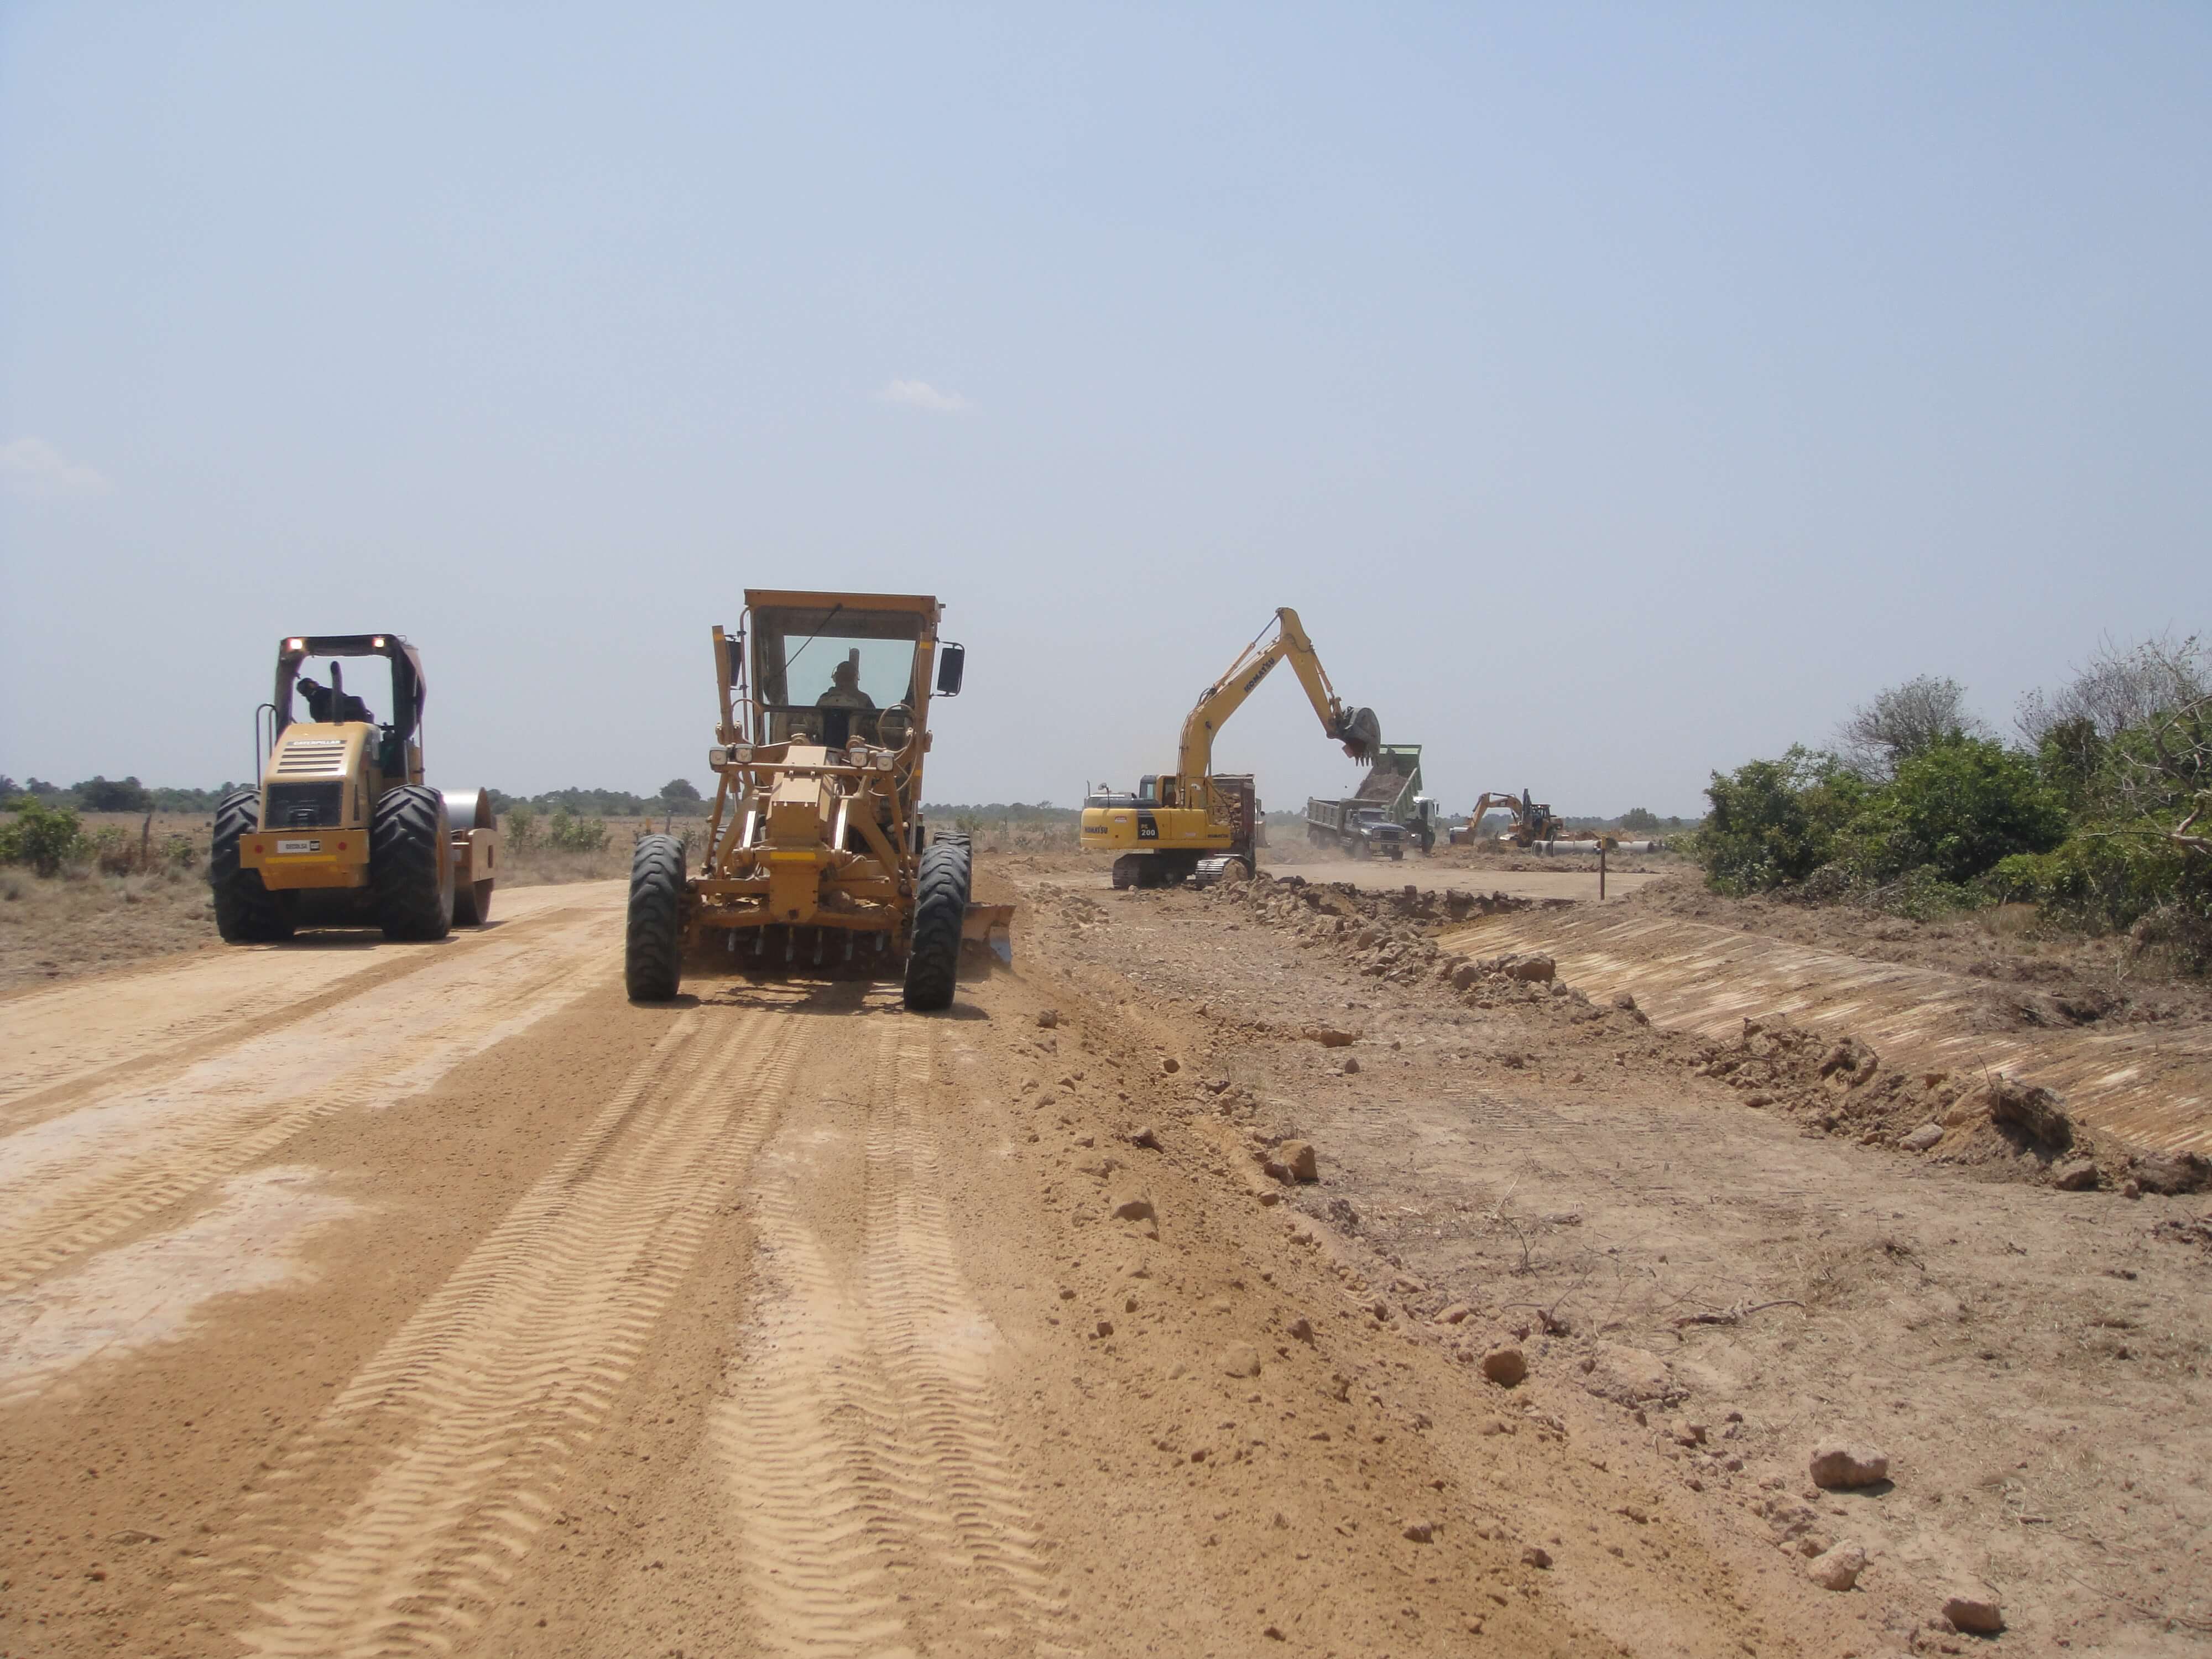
{"x":1361,"y":734}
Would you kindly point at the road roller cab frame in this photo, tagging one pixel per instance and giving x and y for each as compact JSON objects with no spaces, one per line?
{"x":815,"y":851}
{"x":340,"y":831}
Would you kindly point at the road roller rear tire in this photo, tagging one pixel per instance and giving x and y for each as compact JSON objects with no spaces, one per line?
{"x":246,"y":911}
{"x":410,"y":864}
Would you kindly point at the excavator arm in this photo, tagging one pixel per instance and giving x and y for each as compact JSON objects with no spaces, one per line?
{"x":1357,"y":729}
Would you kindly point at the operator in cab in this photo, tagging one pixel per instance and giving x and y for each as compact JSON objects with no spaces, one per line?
{"x":849,"y":711}
{"x":845,"y":691}
{"x":332,"y":704}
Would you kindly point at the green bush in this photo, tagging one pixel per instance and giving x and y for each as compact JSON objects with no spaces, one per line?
{"x":520,"y":825}
{"x":45,"y":837}
{"x":1956,"y":808}
{"x":564,"y":833}
{"x":2104,"y":875}
{"x":1775,"y":821}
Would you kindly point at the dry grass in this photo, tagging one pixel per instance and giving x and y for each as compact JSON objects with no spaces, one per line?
{"x":539,"y":865}
{"x":82,"y":921}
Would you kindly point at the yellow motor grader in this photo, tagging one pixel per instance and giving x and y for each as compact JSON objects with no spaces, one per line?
{"x":341,"y":830}
{"x":815,"y":851}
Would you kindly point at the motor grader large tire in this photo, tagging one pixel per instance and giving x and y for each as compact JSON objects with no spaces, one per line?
{"x":653,"y":946}
{"x":940,"y":907}
{"x":245,"y":912}
{"x":410,"y":866}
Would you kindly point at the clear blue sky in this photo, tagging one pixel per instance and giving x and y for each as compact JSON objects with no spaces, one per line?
{"x":1618,"y":391}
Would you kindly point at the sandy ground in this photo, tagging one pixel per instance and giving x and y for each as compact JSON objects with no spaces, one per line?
{"x":365,"y":1298}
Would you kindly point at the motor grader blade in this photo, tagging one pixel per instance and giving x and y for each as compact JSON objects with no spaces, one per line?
{"x":990,"y":927}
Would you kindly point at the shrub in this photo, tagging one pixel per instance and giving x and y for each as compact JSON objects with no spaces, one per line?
{"x":1774,"y":822}
{"x":564,"y":833}
{"x":521,"y":828}
{"x":1642,"y":820}
{"x":114,"y":850}
{"x":1957,"y":808}
{"x":2103,"y":875}
{"x":45,"y":837}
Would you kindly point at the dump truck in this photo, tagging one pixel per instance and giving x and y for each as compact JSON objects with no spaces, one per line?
{"x":815,"y":852}
{"x":1389,"y":795}
{"x":341,"y":829}
{"x":1193,"y":823}
{"x":1394,"y":784}
{"x":1361,"y":829}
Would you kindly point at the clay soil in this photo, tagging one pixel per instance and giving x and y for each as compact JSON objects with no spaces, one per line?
{"x":390,"y":1298}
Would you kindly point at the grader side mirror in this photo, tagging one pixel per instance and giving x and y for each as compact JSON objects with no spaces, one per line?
{"x":952,"y":663}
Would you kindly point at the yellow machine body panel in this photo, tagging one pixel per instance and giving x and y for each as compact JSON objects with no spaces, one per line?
{"x":1137,"y":829}
{"x":316,"y":791}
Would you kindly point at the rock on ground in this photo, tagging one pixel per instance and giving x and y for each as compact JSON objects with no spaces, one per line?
{"x":1297,"y":1159}
{"x":1837,"y":1465}
{"x":2033,"y":1111}
{"x":2172,"y":1173}
{"x":1978,"y":1615}
{"x":1505,"y":1366}
{"x":1838,"y":1568}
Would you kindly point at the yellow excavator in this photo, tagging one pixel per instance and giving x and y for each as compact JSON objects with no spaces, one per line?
{"x":1191,"y":823}
{"x":1532,"y":820}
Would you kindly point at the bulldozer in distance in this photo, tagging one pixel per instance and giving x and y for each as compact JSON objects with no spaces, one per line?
{"x":815,"y":852}
{"x":341,"y":830}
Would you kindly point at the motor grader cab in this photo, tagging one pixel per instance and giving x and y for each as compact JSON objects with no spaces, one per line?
{"x":815,"y":851}
{"x":341,"y":829}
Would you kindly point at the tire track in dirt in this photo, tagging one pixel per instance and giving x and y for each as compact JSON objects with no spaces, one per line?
{"x":861,"y":1436}
{"x":89,"y":1036}
{"x":76,"y":1181}
{"x":477,"y":1406}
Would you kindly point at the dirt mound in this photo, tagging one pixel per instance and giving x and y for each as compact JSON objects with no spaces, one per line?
{"x":2011,"y":1128}
{"x":1393,"y":936}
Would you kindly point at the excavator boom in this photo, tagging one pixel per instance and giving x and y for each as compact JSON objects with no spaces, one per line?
{"x":1357,"y":729}
{"x":1193,"y":823}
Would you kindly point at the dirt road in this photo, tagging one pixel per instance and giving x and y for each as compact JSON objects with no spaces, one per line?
{"x":371,"y":1299}
{"x":358,"y":1298}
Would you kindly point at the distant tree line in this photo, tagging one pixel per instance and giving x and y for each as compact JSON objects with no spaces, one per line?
{"x":103,"y":794}
{"x":2096,"y":812}
{"x":678,"y":797}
